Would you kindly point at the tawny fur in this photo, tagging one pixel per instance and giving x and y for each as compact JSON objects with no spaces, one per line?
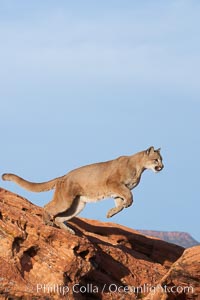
{"x":115,"y":178}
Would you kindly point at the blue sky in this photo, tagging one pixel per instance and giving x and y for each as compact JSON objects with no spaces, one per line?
{"x":88,"y":81}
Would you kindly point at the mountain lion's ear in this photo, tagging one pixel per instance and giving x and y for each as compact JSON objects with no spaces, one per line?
{"x":149,"y":150}
{"x":158,"y":150}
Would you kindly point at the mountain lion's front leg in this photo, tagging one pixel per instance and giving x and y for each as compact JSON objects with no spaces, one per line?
{"x":123,"y":200}
{"x":119,"y":206}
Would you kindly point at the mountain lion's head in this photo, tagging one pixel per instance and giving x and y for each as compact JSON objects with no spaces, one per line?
{"x":153,"y":159}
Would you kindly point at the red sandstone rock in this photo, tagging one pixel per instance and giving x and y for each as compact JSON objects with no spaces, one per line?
{"x":182,"y":281}
{"x":103,"y":260}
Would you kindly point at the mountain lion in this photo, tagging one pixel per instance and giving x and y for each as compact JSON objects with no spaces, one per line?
{"x":115,"y":178}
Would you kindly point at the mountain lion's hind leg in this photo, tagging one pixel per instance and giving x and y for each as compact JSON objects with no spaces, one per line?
{"x":62,"y":201}
{"x":73,"y":211}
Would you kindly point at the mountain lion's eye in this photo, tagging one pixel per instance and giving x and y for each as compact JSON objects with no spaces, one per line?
{"x":156,"y":160}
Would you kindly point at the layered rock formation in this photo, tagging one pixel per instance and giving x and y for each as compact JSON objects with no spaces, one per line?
{"x":182,"y":239}
{"x":102,"y":261}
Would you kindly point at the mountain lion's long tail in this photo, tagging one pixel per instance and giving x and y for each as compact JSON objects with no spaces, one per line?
{"x":31,"y":186}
